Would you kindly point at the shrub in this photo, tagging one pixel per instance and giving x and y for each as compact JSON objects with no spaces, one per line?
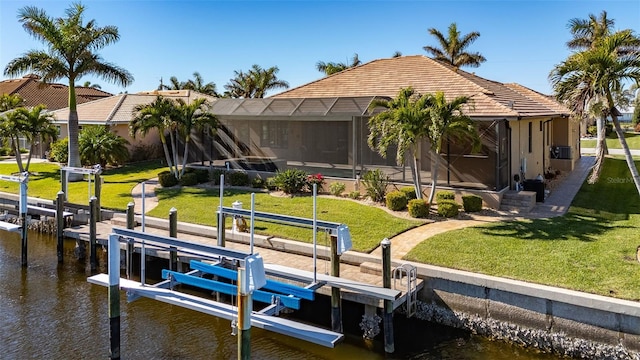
{"x":167,"y":179}
{"x":471,"y":203}
{"x":271,"y":183}
{"x":409,"y":192}
{"x":375,"y":183}
{"x":445,"y":195}
{"x":238,"y":178}
{"x":189,"y":179}
{"x":448,"y":208}
{"x":317,"y":179}
{"x":418,"y":208}
{"x":258,"y":182}
{"x":202,"y":175}
{"x":142,"y":152}
{"x":4,"y":151}
{"x":355,"y":195}
{"x":396,"y":201}
{"x":60,"y":151}
{"x":336,"y":188}
{"x":215,"y":175}
{"x":291,"y":181}
{"x":592,"y":130}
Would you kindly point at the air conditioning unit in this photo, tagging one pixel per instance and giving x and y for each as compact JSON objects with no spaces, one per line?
{"x":561,"y":152}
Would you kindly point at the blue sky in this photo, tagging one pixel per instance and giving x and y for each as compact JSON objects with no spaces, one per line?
{"x":522,"y":40}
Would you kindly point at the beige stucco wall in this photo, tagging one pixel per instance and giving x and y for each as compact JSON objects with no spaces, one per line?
{"x":539,"y":157}
{"x":122,"y":130}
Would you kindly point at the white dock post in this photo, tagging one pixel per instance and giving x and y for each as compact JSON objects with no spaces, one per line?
{"x":244,"y":315}
{"x":114,"y":296}
{"x":23,"y":216}
{"x":387,"y":317}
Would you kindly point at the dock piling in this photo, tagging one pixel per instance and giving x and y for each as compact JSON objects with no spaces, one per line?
{"x":93,"y":259}
{"x":60,"y":226}
{"x":244,"y":316}
{"x":173,"y":232}
{"x":131,"y":224}
{"x":25,"y":221}
{"x":114,"y":296}
{"x":387,"y":318}
{"x":336,"y":311}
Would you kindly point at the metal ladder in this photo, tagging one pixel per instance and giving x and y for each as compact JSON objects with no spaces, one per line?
{"x":406,"y":276}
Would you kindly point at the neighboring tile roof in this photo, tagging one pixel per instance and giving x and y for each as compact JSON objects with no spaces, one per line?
{"x":54,"y":96}
{"x":119,"y":108}
{"x":385,"y":77}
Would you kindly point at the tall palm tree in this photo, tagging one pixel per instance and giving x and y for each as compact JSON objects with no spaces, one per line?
{"x":586,"y":32}
{"x":197,"y":84}
{"x":255,"y":83}
{"x":190,"y":117}
{"x":452,"y":48}
{"x":332,"y":67}
{"x":72,"y":47}
{"x":155,"y":116}
{"x":603,"y":70}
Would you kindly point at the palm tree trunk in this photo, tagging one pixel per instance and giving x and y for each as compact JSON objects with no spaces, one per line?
{"x":16,"y":149}
{"x":31,"y":148}
{"x":601,"y":151}
{"x":627,"y":153}
{"x":434,"y":176}
{"x":184,"y":159}
{"x":166,"y":152}
{"x":72,"y":128}
{"x":415,"y":168}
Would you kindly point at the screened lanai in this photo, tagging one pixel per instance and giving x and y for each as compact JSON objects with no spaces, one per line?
{"x":329,"y":136}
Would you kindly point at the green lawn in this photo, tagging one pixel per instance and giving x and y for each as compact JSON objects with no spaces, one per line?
{"x":633,"y":140}
{"x":44,"y":182}
{"x":592,"y":248}
{"x":368,"y":225}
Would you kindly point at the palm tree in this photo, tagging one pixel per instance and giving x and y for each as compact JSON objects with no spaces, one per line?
{"x":447,"y":120}
{"x":35,"y":125}
{"x":404,"y":122}
{"x":332,"y":68}
{"x":586,"y":32}
{"x":603,"y":70}
{"x":98,"y":145}
{"x":255,"y":83}
{"x":10,"y":101}
{"x":156,"y":115}
{"x":409,"y":119}
{"x":452,"y":48}
{"x":89,"y":84}
{"x":71,"y":53}
{"x":190,"y":117}
{"x":197,"y":84}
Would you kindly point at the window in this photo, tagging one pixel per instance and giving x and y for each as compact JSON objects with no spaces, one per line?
{"x":530,"y":137}
{"x":275,"y":134}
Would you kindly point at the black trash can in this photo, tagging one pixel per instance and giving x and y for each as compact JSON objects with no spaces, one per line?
{"x":537,"y":186}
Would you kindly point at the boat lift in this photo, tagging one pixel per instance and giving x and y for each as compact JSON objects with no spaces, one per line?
{"x":23,"y":180}
{"x":251,"y":285}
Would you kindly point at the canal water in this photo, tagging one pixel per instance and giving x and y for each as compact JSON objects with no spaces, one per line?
{"x":50,"y":311}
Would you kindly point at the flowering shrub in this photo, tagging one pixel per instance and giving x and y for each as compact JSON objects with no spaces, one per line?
{"x":317,"y":179}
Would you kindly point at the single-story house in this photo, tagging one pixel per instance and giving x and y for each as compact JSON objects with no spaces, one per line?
{"x":322,"y":126}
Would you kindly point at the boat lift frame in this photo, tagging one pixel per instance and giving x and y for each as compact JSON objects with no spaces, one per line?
{"x":23,"y":180}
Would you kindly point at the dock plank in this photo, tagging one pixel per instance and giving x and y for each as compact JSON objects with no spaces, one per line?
{"x":363,"y":288}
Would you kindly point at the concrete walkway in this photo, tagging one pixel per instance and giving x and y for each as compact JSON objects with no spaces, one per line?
{"x":556,"y":204}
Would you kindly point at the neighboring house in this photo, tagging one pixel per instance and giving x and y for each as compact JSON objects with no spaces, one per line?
{"x":54,"y":96}
{"x":626,"y":114}
{"x":323,"y":126}
{"x":117,"y":111}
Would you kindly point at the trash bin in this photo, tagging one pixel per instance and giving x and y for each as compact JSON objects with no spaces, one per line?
{"x":536,"y":186}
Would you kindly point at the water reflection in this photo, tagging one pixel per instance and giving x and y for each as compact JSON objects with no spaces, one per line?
{"x":50,"y":311}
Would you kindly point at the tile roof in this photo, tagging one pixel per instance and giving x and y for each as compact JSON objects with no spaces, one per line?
{"x":54,"y":96}
{"x":119,"y":108}
{"x":385,"y":77}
